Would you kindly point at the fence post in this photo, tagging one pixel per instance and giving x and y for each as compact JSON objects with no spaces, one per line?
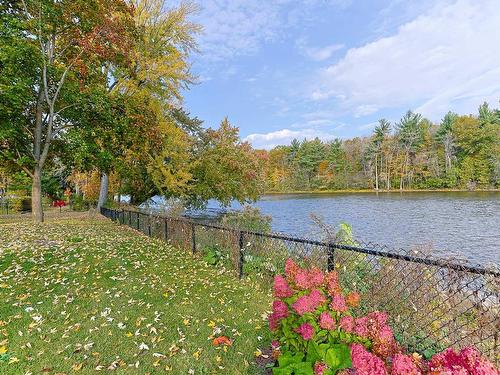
{"x":149,"y":225}
{"x":165,"y":229}
{"x":138,"y":220}
{"x":331,"y":256}
{"x":193,"y":239}
{"x":241,"y":258}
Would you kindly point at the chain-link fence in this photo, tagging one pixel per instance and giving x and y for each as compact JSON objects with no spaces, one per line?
{"x":432,"y":303}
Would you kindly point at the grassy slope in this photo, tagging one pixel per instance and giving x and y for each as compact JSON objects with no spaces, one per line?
{"x":80,"y":294}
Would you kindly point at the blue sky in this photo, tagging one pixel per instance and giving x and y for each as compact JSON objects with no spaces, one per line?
{"x":289,"y":69}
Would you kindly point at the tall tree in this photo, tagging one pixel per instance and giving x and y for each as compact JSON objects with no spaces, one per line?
{"x":68,"y":40}
{"x":159,"y":65}
{"x":410,"y":136}
{"x":380,"y":133}
{"x":444,"y":135}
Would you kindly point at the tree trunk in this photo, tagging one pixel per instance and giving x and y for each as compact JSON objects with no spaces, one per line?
{"x":387,"y":175}
{"x":36,"y":196}
{"x":103,"y":192}
{"x":376,"y":172}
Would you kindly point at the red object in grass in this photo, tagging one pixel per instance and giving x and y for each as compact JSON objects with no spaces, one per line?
{"x":59,"y":203}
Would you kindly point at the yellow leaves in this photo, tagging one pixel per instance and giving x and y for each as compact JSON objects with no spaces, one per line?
{"x":211,"y":324}
{"x":3,"y":286}
{"x":13,"y":360}
{"x":129,"y":334}
{"x":185,"y":322}
{"x":3,"y":349}
{"x":197,"y":354}
{"x":77,"y":366}
{"x":257,"y":353}
{"x":173,"y":350}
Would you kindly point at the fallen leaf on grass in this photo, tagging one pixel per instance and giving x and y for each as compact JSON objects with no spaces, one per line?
{"x":222,"y":340}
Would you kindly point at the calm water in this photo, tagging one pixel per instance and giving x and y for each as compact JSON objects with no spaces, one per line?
{"x":462,"y":225}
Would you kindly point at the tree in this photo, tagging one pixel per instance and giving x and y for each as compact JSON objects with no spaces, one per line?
{"x":410,"y":136}
{"x":225,"y":168}
{"x":380,"y":133}
{"x":159,"y":66}
{"x":444,"y":135}
{"x":67,"y":40}
{"x":309,"y":156}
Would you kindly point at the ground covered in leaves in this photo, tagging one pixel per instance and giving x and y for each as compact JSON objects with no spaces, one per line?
{"x":83,"y":294}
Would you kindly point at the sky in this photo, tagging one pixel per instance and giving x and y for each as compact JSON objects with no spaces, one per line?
{"x":285,"y":69}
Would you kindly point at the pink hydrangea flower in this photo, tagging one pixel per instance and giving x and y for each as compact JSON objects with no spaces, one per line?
{"x":379,"y":317}
{"x":316,"y":277}
{"x":273,"y":322}
{"x":302,"y":280}
{"x":338,"y":303}
{"x":281,"y":287}
{"x":316,"y":298}
{"x":303,"y":305}
{"x":476,"y":364}
{"x":385,"y":334}
{"x":320,"y":368}
{"x":280,"y":309}
{"x":326,"y":321}
{"x":275,"y":345}
{"x":347,"y":323}
{"x":404,"y":365}
{"x":306,"y":331}
{"x":468,"y":361}
{"x":365,"y":363}
{"x":361,"y":327}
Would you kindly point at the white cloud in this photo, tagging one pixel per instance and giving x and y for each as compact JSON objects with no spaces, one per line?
{"x":284,"y":137}
{"x":237,"y":27}
{"x":365,"y":109}
{"x":317,"y":53}
{"x":240,"y":27}
{"x":444,"y":59}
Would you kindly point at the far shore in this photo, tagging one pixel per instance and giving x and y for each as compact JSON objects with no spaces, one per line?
{"x":373,"y":191}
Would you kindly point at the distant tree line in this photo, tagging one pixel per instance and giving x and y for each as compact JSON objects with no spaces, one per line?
{"x":413,"y":153}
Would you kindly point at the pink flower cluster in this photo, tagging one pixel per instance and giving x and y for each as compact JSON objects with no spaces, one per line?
{"x":309,"y":302}
{"x":366,"y":363}
{"x":404,"y":365}
{"x":320,"y":368}
{"x":306,"y":331}
{"x":281,"y":287}
{"x":467,"y":361}
{"x":326,"y":321}
{"x":280,"y":311}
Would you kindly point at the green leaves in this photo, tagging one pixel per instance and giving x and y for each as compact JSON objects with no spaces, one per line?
{"x":293,"y":364}
{"x":338,"y":357}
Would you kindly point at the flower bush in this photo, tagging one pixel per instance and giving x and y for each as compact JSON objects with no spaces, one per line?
{"x":317,"y":333}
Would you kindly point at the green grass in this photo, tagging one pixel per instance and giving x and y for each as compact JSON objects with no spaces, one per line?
{"x":80,"y":294}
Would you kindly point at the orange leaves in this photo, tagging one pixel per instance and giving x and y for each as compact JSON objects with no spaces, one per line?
{"x":222,"y":340}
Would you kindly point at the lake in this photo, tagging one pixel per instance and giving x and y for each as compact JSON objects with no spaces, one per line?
{"x":463,"y":225}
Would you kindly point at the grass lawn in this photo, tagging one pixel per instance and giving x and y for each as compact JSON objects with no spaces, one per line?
{"x":82,"y":294}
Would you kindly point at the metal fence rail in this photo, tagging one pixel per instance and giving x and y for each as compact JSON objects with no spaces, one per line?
{"x":432,"y":303}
